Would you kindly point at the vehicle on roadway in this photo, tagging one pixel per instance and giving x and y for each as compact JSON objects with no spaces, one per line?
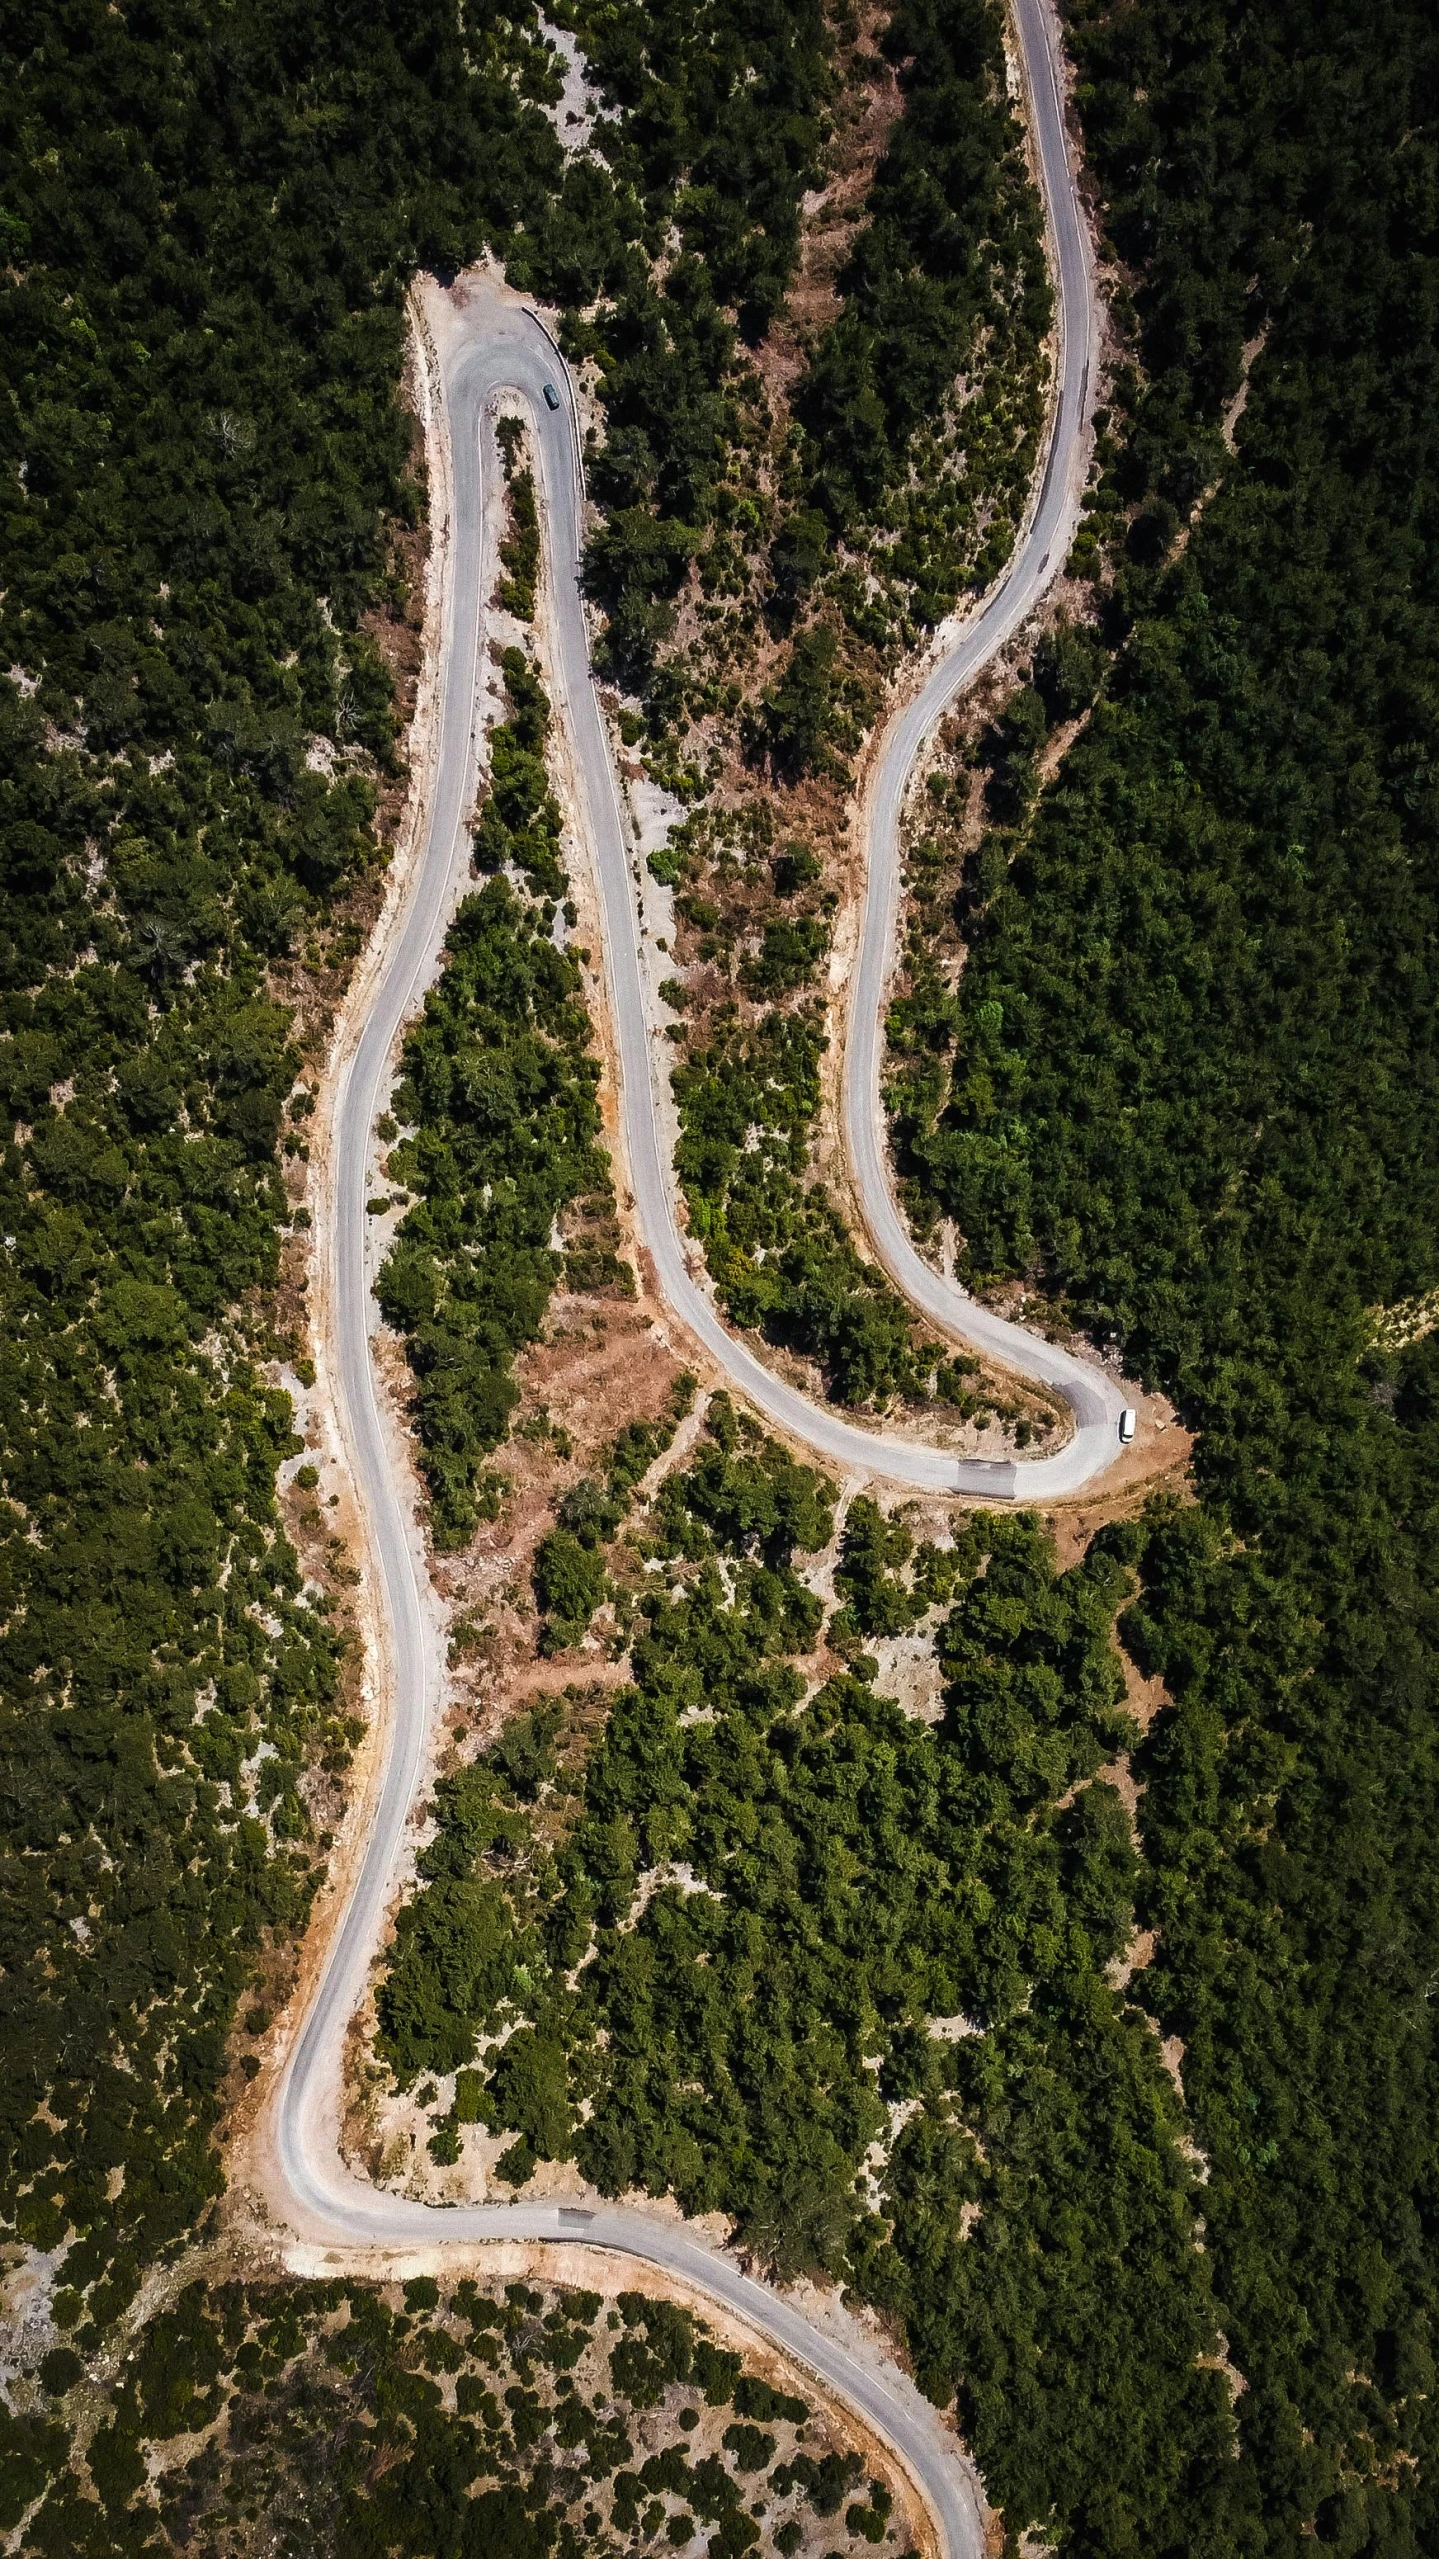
{"x":1128,"y":1421}
{"x":552,"y":397}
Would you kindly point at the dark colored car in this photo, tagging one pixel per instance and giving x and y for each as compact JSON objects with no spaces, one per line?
{"x":552,"y":397}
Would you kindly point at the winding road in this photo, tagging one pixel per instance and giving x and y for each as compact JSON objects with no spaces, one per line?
{"x":503,"y":349}
{"x":1095,"y":1401}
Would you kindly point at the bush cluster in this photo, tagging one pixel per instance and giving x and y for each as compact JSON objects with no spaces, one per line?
{"x":841,"y":1975}
{"x":536,"y":2424}
{"x":498,"y":1084}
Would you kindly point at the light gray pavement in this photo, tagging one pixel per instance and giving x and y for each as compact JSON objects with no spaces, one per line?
{"x":1095,"y":1400}
{"x":504,"y":349}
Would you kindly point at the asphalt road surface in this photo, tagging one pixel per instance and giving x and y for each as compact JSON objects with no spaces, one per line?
{"x":1038,"y":557}
{"x":505,"y":350}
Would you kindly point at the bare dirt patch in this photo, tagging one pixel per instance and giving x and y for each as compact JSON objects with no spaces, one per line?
{"x":1158,"y":1461}
{"x":867,"y":108}
{"x":601,"y":1364}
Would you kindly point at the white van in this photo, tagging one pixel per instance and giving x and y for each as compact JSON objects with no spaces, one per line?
{"x":1127,"y":1422}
